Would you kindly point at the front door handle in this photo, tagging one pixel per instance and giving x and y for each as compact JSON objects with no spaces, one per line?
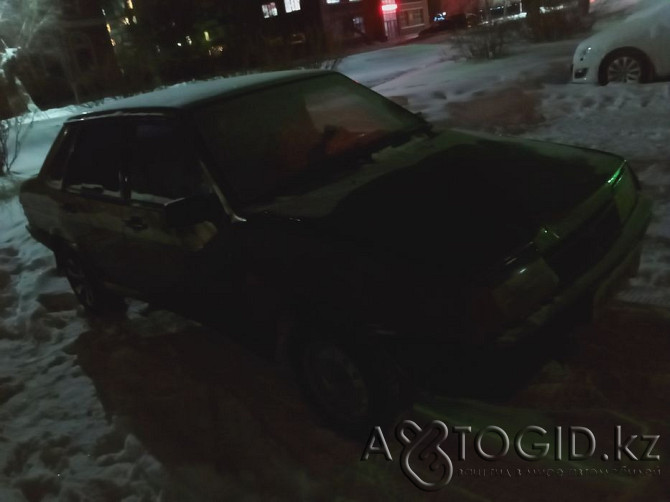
{"x":136,"y":223}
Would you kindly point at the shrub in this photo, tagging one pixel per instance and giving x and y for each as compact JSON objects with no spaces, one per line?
{"x":482,"y":42}
{"x":12,"y":132}
{"x":487,"y":40}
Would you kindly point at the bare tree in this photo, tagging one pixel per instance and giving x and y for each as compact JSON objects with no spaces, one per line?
{"x":12,"y":132}
{"x":36,"y":26}
{"x":487,"y":40}
{"x":4,"y":140}
{"x":22,"y":20}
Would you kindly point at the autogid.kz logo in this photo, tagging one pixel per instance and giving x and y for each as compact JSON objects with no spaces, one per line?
{"x":425,"y":460}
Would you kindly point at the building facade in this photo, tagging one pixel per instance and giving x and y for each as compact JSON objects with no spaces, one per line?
{"x":413,"y":16}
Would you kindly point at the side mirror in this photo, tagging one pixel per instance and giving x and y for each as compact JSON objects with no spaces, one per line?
{"x":191,"y":210}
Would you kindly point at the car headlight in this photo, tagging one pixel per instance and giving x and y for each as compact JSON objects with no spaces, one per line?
{"x":525,"y":289}
{"x":583,"y":52}
{"x":625,"y":191}
{"x":522,"y":291}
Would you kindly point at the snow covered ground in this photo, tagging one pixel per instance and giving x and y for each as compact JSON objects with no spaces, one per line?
{"x":62,"y":374}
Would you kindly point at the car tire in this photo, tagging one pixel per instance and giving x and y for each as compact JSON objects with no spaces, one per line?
{"x":348,"y":385}
{"x":85,"y":285}
{"x":624,"y":66}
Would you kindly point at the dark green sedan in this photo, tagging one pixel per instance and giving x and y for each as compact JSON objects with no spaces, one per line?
{"x":332,"y":227}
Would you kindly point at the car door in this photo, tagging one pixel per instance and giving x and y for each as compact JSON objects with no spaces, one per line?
{"x":53,"y":209}
{"x":93,"y":204}
{"x":164,"y":168}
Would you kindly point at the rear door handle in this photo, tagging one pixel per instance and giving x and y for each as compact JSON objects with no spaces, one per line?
{"x":136,"y":223}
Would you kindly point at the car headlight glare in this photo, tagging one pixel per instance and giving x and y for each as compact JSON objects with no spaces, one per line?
{"x":625,"y":192}
{"x":585,"y":51}
{"x":523,"y":291}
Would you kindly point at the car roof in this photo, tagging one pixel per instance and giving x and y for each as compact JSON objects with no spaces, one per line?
{"x":192,"y":94}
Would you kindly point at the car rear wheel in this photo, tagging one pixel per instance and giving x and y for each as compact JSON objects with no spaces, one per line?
{"x":93,"y":297}
{"x":624,"y":67}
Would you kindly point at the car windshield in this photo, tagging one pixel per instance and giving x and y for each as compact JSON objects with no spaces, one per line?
{"x":288,"y":137}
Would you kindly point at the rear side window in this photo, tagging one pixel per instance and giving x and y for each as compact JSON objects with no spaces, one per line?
{"x":54,"y":165}
{"x":99,"y":156}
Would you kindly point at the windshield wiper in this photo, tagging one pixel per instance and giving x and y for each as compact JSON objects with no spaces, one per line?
{"x":323,"y":168}
{"x":397,"y":138}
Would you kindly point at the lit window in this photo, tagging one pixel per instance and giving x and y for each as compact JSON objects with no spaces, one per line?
{"x":291,"y":5}
{"x":269,"y":10}
{"x":332,"y":1}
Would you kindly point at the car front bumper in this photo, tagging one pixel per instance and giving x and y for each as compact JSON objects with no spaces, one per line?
{"x":582,"y":74}
{"x":435,"y":364}
{"x":598,"y":283}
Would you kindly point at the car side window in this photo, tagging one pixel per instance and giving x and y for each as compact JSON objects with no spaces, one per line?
{"x":98,"y":158}
{"x":54,"y":166}
{"x":163,"y":164}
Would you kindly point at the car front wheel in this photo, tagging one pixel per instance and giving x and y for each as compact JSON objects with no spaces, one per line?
{"x":624,"y":67}
{"x":348,"y":385}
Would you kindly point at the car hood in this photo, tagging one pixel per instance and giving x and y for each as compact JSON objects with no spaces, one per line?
{"x":638,"y":30}
{"x":453,"y":194}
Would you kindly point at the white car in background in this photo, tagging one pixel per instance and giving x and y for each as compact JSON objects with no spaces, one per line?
{"x":635,"y":50}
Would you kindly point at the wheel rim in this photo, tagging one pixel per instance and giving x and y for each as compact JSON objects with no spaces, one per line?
{"x":624,"y":69}
{"x":79,"y":282}
{"x":337,"y":383}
